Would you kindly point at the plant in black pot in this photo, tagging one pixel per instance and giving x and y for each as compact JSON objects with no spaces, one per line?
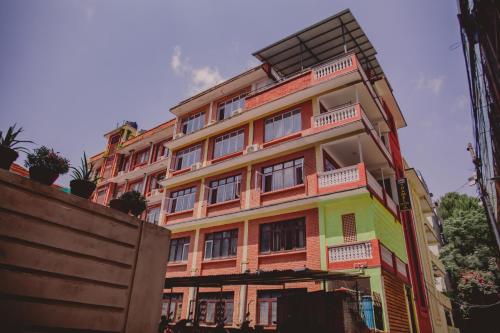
{"x":134,"y":202}
{"x":84,"y":181}
{"x":9,"y":146}
{"x":45,"y":165}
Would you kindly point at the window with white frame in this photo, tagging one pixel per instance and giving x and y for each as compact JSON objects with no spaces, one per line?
{"x":193,"y":123}
{"x":282,"y":124}
{"x":179,"y":249}
{"x":229,"y":143}
{"x":137,"y":186}
{"x":225,"y":189}
{"x":227,"y":108}
{"x":187,"y":157}
{"x":172,"y":306}
{"x":221,"y":244}
{"x":283,"y":175}
{"x":160,"y":152}
{"x":153,"y":215}
{"x":182,"y":200}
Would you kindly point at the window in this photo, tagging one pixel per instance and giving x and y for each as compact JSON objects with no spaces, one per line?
{"x":283,"y":236}
{"x":267,"y":304}
{"x":283,"y":175}
{"x":118,"y":191}
{"x":193,"y":123}
{"x":227,"y":108}
{"x":216,"y":307}
{"x":182,"y":200}
{"x":124,"y":163}
{"x":154,"y":181}
{"x":282,"y":124}
{"x":225,"y":189}
{"x":137,"y":186}
{"x":153,"y":215}
{"x":101,"y":196}
{"x":142,"y":157}
{"x":172,"y":306}
{"x":229,"y":143}
{"x":160,"y":152}
{"x":187,"y":157}
{"x":221,"y":244}
{"x":179,"y":249}
{"x":349,"y":228}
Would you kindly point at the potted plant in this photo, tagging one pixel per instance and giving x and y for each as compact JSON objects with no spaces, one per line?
{"x":45,"y":165}
{"x":132,"y":201}
{"x":9,"y":146}
{"x":82,"y":183}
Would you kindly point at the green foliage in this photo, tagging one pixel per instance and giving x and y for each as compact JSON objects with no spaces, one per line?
{"x":469,"y":254}
{"x":47,"y":158}
{"x":84,"y":171}
{"x":10,"y":139}
{"x":452,"y":203}
{"x":134,"y":201}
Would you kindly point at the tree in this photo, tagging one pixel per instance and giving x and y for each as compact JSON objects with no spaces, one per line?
{"x":469,"y":255}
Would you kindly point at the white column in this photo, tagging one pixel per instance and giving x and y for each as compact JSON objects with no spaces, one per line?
{"x":244,"y":266}
{"x":150,"y":157}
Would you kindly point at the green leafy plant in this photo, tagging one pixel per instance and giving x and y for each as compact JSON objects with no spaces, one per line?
{"x":134,"y":201}
{"x":84,"y":171}
{"x":9,"y":140}
{"x":47,"y":158}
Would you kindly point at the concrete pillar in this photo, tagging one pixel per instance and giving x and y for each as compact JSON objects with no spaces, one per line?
{"x":360,"y":150}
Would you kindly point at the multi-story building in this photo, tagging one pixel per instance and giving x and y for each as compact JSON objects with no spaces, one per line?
{"x":288,"y":165}
{"x":429,"y":237}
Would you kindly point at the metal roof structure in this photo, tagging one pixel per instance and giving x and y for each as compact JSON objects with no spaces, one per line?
{"x":276,"y":277}
{"x":324,"y":40}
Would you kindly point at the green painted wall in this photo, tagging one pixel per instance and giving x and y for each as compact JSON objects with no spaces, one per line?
{"x":373,"y":220}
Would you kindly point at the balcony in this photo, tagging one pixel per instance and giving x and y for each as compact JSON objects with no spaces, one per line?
{"x":140,"y":171}
{"x":353,"y":177}
{"x":354,"y":255}
{"x":337,"y":72}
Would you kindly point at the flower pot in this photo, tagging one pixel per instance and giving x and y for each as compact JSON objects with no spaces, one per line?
{"x":43,"y":175}
{"x":7,"y":156}
{"x":82,"y":188}
{"x":119,"y":204}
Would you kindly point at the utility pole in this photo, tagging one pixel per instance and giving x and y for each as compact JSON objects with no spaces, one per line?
{"x":485,"y":199}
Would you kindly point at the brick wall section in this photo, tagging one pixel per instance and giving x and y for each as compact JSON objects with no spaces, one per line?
{"x":219,"y":266}
{"x":306,"y":113}
{"x":183,"y":215}
{"x":310,"y":186}
{"x":226,"y":207}
{"x":175,"y":269}
{"x":309,"y":258}
{"x":211,"y":143}
{"x":286,"y":88}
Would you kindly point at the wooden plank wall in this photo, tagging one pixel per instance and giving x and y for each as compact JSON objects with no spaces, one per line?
{"x":67,"y":264}
{"x":396,"y":304}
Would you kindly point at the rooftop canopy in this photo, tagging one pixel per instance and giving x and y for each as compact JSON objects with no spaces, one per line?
{"x":276,"y":277}
{"x":324,"y":40}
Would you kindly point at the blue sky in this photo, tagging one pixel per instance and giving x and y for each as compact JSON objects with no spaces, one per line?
{"x":70,"y":70}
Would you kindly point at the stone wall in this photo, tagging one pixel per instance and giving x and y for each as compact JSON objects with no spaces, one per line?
{"x":70,"y":265}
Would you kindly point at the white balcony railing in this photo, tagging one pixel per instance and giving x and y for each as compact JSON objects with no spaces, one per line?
{"x":339,"y":176}
{"x":335,"y":116}
{"x":333,"y":66}
{"x":350,"y":252}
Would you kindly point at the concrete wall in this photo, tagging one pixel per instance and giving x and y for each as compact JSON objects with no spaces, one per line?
{"x":70,"y":265}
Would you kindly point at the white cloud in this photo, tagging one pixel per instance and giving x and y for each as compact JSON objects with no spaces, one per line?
{"x":199,"y":78}
{"x":434,"y":84}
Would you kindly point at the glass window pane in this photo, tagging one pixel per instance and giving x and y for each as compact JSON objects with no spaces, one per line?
{"x":210,"y":317}
{"x":264,"y":313}
{"x":278,"y":180}
{"x":274,"y":312}
{"x":289,"y":180}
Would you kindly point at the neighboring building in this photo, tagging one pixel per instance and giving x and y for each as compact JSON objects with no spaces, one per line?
{"x":288,"y":165}
{"x":479,"y":26}
{"x":429,"y":236}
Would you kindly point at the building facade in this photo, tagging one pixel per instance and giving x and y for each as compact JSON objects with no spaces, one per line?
{"x":290,"y":165}
{"x":429,"y":236}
